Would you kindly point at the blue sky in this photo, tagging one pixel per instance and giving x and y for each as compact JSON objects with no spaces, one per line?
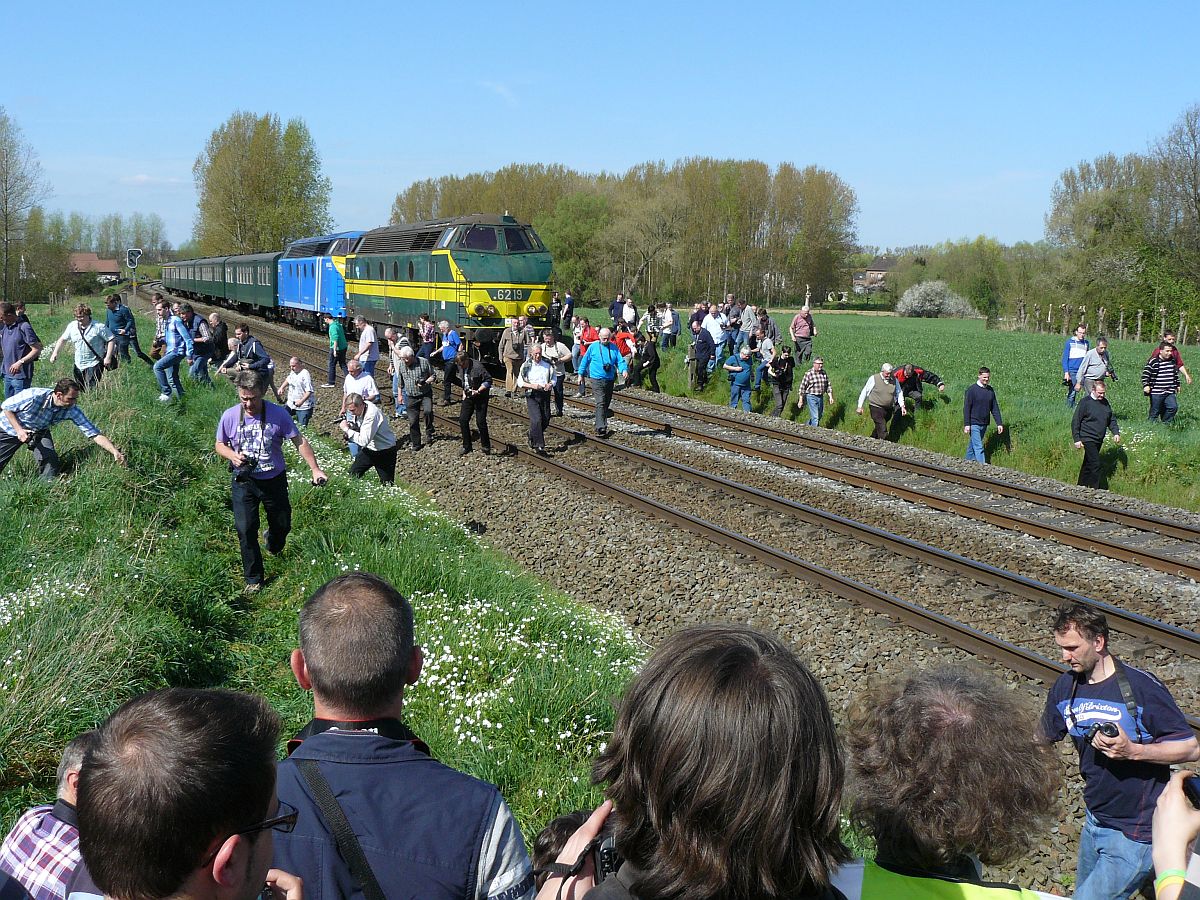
{"x":949,"y":120}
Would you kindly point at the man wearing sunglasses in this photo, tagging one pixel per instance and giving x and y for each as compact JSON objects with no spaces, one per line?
{"x":177,"y":799}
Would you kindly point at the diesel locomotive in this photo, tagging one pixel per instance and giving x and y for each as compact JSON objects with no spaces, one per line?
{"x":476,"y":272}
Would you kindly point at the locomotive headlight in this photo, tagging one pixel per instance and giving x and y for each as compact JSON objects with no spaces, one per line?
{"x":491,"y":309}
{"x":480,"y":309}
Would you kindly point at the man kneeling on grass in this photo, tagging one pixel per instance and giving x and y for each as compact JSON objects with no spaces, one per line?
{"x":421,"y":828}
{"x":28,"y":417}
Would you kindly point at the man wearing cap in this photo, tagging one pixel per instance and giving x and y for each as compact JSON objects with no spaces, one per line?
{"x":882,"y":393}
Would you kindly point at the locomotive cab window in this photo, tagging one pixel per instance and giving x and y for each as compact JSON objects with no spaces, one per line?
{"x":478,"y":237}
{"x":516,"y":240}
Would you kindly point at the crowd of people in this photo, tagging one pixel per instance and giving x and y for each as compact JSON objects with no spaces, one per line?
{"x":725,"y":777}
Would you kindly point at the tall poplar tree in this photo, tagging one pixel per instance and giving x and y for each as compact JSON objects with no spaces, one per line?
{"x":260,"y":186}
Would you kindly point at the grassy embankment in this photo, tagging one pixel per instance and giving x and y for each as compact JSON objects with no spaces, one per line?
{"x":1155,"y":462}
{"x":121,"y":580}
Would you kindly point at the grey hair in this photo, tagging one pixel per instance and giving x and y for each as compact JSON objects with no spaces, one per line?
{"x":406,"y":353}
{"x":443,"y":324}
{"x":354,"y":399}
{"x":72,"y":757}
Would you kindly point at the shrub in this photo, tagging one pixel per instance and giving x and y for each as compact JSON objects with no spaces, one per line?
{"x":932,"y":300}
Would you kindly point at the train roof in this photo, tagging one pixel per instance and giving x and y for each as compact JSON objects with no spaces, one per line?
{"x":418,"y":236}
{"x":319,"y":245}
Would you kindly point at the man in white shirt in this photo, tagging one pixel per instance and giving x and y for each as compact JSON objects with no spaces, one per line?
{"x":301,"y":399}
{"x":357,"y":381}
{"x":368,"y":344}
{"x":95,"y":347}
{"x":375,"y":439}
{"x":537,"y":379}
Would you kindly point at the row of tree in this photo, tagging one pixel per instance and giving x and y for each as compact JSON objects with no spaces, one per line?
{"x":700,"y":227}
{"x":1122,"y":233}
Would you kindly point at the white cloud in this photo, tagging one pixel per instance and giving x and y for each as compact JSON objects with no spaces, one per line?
{"x":501,"y":90}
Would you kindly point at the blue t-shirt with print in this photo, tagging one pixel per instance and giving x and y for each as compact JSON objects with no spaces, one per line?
{"x":1120,"y":793}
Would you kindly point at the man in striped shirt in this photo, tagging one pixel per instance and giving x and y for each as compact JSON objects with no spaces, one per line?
{"x":28,"y":416}
{"x":42,"y":850}
{"x":1160,"y":382}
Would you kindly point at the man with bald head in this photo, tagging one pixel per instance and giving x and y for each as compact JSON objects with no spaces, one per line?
{"x":301,"y":398}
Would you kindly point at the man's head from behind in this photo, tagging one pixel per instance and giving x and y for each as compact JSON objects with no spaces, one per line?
{"x":172,"y":792}
{"x":71,"y":763}
{"x":357,"y":650}
{"x":994,"y":784}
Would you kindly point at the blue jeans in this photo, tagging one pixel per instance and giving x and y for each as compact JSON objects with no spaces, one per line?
{"x":398,"y":398}
{"x":975,"y":447}
{"x":1071,"y":392}
{"x":303,"y":416}
{"x":737,"y":394}
{"x":1164,"y":406}
{"x":14,"y":384}
{"x":199,"y":370}
{"x":369,"y":367}
{"x":816,"y":408}
{"x":166,"y":370}
{"x":1110,"y":864}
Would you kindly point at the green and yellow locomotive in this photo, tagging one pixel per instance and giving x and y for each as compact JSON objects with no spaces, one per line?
{"x":472,"y":271}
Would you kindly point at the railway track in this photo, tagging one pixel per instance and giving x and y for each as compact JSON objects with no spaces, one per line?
{"x":958,"y":634}
{"x":984,"y":508}
{"x":1009,"y":655}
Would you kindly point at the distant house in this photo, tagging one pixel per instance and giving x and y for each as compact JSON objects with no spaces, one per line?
{"x":107,"y":270}
{"x":875,"y":277}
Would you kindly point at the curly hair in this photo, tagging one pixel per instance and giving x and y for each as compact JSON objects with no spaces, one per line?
{"x":725,"y":771}
{"x":945,"y":764}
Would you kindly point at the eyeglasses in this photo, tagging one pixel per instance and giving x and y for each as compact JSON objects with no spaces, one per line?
{"x":284,"y":823}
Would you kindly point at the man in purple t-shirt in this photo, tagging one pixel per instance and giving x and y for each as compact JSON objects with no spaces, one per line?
{"x":251,"y":435}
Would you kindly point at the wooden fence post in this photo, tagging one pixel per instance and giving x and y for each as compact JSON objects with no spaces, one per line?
{"x":1162,"y":320}
{"x":1100,"y":319}
{"x":1121,"y":325}
{"x":1139,"y":327}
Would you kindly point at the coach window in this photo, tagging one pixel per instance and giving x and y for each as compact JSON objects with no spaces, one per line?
{"x":395,"y":270}
{"x":381,"y":270}
{"x":410,"y":271}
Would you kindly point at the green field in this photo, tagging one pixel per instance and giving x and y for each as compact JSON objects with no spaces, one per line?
{"x":121,"y":580}
{"x":1155,"y":462}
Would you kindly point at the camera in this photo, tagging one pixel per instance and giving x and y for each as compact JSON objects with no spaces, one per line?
{"x":1108,"y":729}
{"x":242,"y":472}
{"x":1191,"y":790}
{"x":607,"y":860}
{"x":608,"y":368}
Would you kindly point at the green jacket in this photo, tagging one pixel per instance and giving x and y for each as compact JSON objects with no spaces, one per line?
{"x":337,"y":336}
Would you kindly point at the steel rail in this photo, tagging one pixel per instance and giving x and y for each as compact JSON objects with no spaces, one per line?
{"x":1181,"y":640}
{"x":1160,"y":562}
{"x":1155,"y":524}
{"x":1024,"y":662}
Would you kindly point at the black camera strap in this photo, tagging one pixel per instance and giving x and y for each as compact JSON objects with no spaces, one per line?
{"x":343,"y":834}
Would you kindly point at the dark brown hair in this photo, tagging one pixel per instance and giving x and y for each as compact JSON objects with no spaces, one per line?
{"x":946,"y":763}
{"x":1087,"y":620}
{"x":171,"y":772}
{"x":356,"y":633}
{"x":64,"y":386}
{"x":724,"y":770}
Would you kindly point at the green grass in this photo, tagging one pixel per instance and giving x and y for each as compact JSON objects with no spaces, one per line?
{"x":121,"y":580}
{"x":1156,"y":462}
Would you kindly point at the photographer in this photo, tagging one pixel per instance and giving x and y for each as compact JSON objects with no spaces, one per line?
{"x":601,"y":364}
{"x":476,"y":388}
{"x":1095,"y":366}
{"x":536,"y":378}
{"x":247,"y":355}
{"x":250,"y":436}
{"x":368,"y":428}
{"x":1125,"y":770}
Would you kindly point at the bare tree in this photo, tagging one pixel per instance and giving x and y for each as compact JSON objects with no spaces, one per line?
{"x":21,"y":188}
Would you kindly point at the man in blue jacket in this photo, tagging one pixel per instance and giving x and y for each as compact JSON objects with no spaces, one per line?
{"x":1074,"y":350}
{"x":601,"y":365}
{"x":120,"y":322}
{"x":980,"y":405}
{"x":424,"y":829}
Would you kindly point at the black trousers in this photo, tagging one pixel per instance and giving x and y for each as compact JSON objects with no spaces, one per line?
{"x":880,"y":416}
{"x":450,"y":376}
{"x":558,"y":393}
{"x":1089,"y":472}
{"x":650,"y":373}
{"x":89,"y":377}
{"x":246,"y":496}
{"x":474,"y":406}
{"x":538,"y":404}
{"x":418,"y":406}
{"x":383,"y":461}
{"x":42,"y":446}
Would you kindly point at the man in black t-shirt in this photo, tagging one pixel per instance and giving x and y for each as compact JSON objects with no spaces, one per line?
{"x":1124,"y":771}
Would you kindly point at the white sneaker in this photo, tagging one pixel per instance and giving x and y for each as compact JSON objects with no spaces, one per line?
{"x":164,"y":398}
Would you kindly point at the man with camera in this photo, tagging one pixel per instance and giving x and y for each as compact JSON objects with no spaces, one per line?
{"x":1128,"y":732}
{"x":250,"y":436}
{"x":601,"y":365}
{"x":367,"y":428}
{"x":379,"y":816}
{"x":27,"y":417}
